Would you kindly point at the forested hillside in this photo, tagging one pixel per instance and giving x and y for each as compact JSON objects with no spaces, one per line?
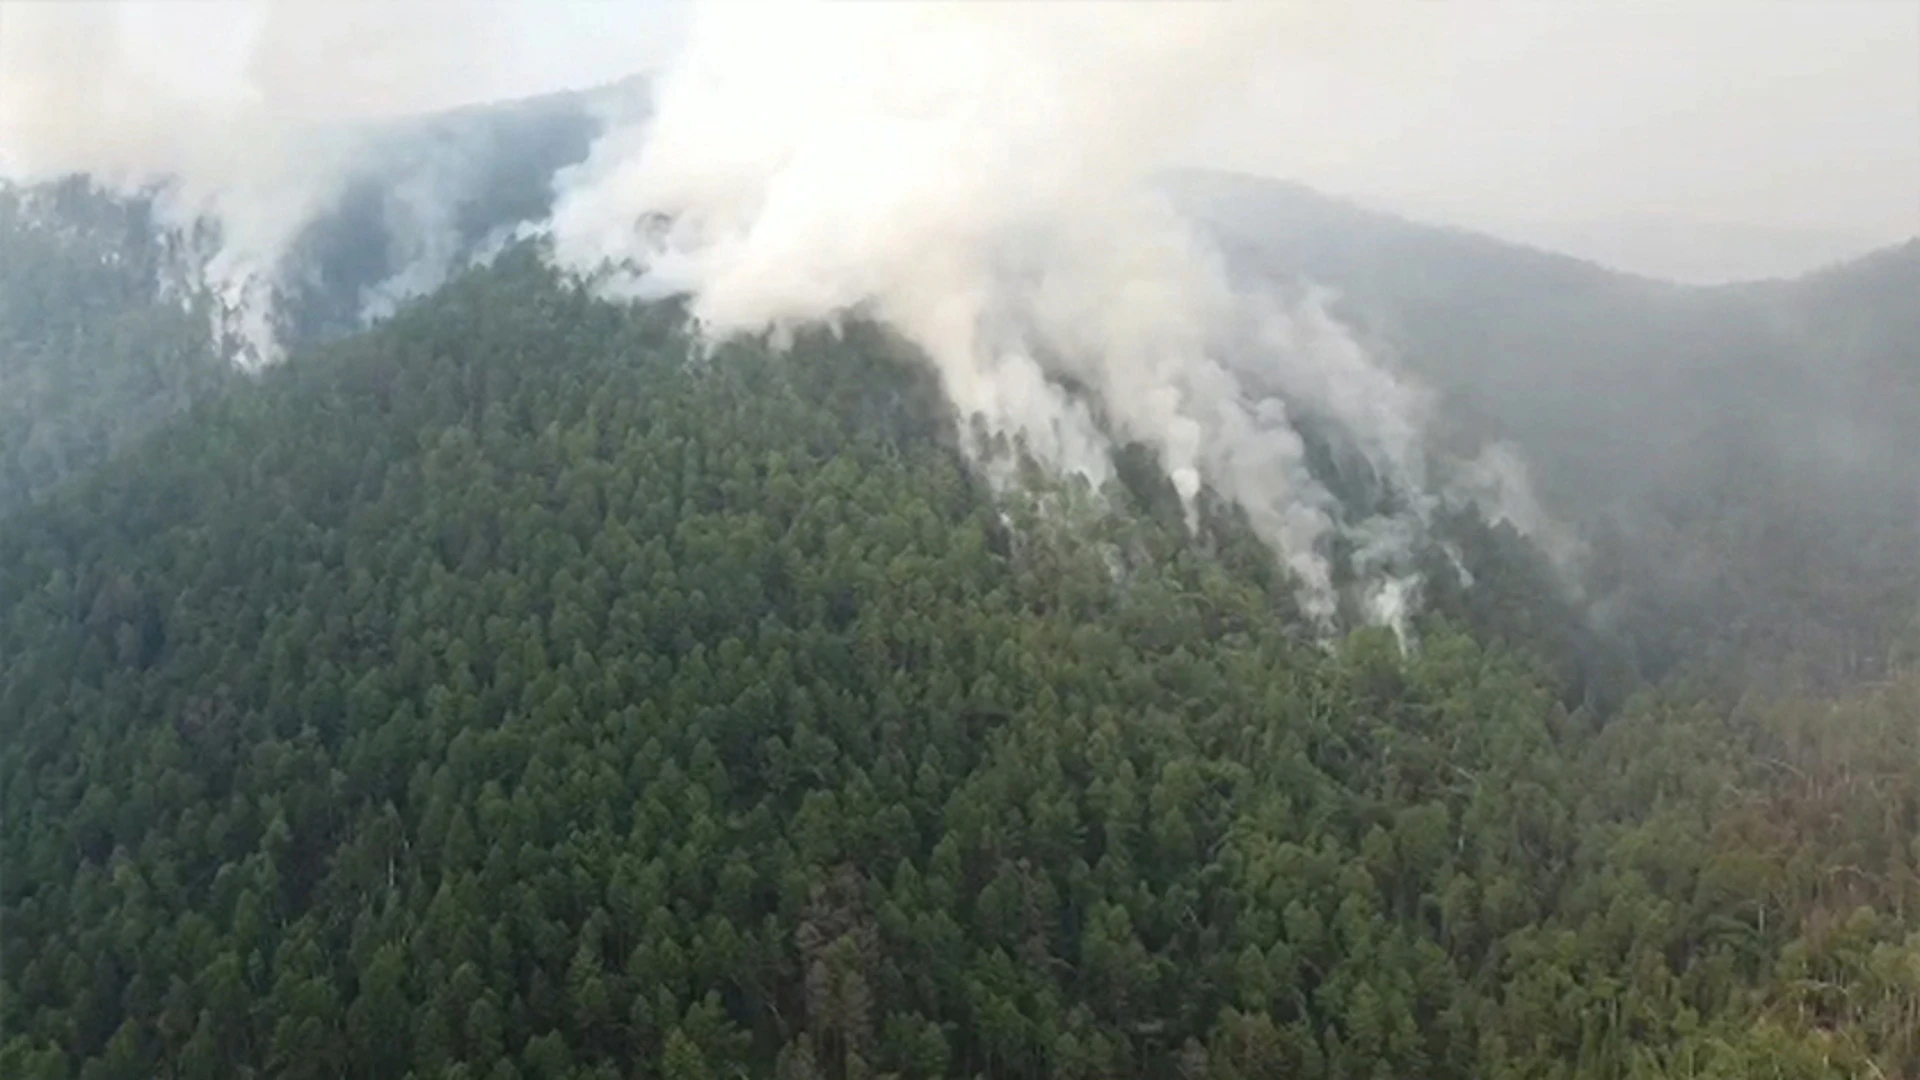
{"x":510,"y":692}
{"x":1708,"y":444}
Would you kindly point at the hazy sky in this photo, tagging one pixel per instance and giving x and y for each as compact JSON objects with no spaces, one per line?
{"x":1546,"y":118}
{"x":1698,"y":138}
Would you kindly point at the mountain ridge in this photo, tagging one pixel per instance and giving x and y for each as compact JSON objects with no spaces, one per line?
{"x":1636,"y":403}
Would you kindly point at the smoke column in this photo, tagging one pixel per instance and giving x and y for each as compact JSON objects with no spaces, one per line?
{"x":977,"y":176}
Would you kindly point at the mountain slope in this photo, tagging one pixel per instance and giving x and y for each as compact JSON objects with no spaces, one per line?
{"x":507,"y":692}
{"x":1709,"y":444}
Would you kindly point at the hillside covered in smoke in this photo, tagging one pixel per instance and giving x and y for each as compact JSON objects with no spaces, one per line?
{"x":638,"y":583}
{"x":1676,"y":452}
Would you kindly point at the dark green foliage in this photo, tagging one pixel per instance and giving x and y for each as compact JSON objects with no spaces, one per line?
{"x":509,"y":694}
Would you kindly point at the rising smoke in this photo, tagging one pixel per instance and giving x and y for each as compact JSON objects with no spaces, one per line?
{"x":979,"y":178}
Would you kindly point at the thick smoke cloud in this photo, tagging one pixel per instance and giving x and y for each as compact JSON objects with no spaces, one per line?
{"x":979,"y":178}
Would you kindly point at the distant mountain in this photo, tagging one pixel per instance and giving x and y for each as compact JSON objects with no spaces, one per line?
{"x":1607,"y":376}
{"x":1746,"y":452}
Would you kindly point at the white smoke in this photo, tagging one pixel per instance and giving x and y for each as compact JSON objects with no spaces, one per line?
{"x":253,"y":116}
{"x":977,"y":176}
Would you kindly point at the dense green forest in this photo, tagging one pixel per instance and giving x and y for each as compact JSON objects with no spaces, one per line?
{"x":514,"y":691}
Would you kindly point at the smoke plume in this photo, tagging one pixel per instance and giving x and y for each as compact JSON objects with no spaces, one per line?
{"x":978,"y":177}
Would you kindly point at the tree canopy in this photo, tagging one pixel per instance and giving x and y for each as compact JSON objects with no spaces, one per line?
{"x":516,"y":691}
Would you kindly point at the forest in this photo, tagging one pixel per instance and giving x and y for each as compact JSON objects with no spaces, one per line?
{"x":517,"y":691}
